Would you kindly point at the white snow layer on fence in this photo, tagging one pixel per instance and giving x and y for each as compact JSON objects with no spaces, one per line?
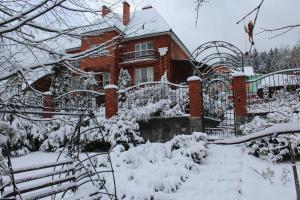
{"x":273,"y":130}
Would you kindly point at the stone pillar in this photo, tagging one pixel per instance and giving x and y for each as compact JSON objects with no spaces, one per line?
{"x":196,"y":104}
{"x":48,"y":106}
{"x":239,"y":89}
{"x":111,"y":100}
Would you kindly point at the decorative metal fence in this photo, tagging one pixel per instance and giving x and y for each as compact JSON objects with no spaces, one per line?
{"x":81,"y":100}
{"x":274,"y":92}
{"x":163,"y":95}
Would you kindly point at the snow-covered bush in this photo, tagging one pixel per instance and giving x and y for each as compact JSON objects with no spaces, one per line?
{"x":111,"y":132}
{"x":285,"y":109}
{"x":273,"y":149}
{"x":17,"y":139}
{"x":159,"y":168}
{"x":154,"y":100}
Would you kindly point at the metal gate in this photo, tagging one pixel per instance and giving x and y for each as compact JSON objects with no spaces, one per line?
{"x":215,"y":62}
{"x":218,"y":106}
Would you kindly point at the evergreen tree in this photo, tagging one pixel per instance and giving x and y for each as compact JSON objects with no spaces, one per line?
{"x":124,"y":79}
{"x":263,"y":66}
{"x":256,"y":60}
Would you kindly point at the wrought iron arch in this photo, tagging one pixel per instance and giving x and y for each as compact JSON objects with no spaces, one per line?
{"x":222,"y":52}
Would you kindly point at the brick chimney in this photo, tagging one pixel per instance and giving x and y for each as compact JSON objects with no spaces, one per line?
{"x":105,"y":11}
{"x":126,"y":13}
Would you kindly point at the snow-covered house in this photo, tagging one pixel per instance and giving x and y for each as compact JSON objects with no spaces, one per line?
{"x":147,"y":48}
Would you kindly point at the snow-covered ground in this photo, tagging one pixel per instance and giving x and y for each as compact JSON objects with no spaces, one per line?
{"x":227,"y":173}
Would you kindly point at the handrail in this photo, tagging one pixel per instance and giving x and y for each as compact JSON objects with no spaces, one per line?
{"x":153,"y":50}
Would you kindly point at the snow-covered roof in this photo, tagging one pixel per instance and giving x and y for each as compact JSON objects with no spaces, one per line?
{"x":248,"y":71}
{"x":143,"y":22}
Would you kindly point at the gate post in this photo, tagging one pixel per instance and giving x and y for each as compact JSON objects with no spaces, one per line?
{"x":111,"y":100}
{"x":195,"y":103}
{"x":239,"y":89}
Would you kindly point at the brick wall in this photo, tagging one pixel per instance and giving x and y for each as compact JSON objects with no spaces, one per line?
{"x":100,"y":63}
{"x":177,"y":52}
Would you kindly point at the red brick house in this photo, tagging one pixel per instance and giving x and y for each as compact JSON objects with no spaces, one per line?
{"x":148,"y":48}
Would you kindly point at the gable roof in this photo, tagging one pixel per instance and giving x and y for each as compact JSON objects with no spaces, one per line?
{"x":143,"y":23}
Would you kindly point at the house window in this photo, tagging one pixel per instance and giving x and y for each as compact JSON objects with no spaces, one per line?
{"x":106,"y":79}
{"x":143,"y":49}
{"x":103,"y":79}
{"x":143,"y":75}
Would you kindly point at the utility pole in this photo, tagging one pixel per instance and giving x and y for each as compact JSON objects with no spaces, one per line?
{"x":295,"y":173}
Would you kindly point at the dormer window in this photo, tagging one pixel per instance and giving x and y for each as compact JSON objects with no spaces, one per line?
{"x":143,"y":49}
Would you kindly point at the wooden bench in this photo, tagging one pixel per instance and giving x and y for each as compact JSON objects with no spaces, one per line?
{"x":64,"y":173}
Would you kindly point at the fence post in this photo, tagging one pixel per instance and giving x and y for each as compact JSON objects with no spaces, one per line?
{"x":195,"y":103}
{"x":111,"y":100}
{"x":239,"y":100}
{"x":48,"y":106}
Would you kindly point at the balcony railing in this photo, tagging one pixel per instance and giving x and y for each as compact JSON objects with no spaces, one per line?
{"x":139,"y":55}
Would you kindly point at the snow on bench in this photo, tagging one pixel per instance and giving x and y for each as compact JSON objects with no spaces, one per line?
{"x":63,"y":184}
{"x":278,"y":129}
{"x":49,"y":192}
{"x":41,"y":166}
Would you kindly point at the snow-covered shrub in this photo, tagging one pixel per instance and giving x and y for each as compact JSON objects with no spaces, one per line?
{"x":154,"y":100}
{"x":16,"y":139}
{"x":273,"y":149}
{"x":111,"y":132}
{"x":285,"y":109}
{"x":118,"y":130}
{"x":152,"y":168}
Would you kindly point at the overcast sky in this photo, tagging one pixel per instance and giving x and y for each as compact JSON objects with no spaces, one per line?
{"x":218,"y":17}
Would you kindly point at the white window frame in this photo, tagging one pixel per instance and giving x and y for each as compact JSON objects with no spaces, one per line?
{"x":105,"y":80}
{"x":149,"y":75}
{"x":142,"y":49}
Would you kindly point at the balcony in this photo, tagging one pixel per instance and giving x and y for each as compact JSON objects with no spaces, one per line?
{"x":137,"y":56}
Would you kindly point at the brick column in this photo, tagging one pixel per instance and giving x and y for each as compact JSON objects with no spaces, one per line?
{"x":48,"y":106}
{"x":195,"y":95}
{"x":111,"y":100}
{"x":239,"y":89}
{"x":196,"y":105}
